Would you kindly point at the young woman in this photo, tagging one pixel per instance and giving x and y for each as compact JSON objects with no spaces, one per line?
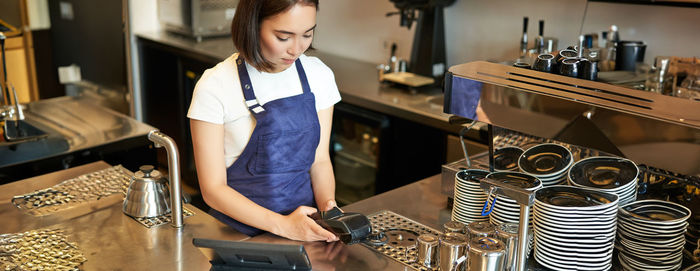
{"x":261,"y":121}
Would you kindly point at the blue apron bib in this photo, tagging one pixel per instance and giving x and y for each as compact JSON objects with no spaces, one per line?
{"x":273,"y":169}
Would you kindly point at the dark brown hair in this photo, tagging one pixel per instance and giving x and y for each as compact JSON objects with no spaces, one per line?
{"x":245,"y":27}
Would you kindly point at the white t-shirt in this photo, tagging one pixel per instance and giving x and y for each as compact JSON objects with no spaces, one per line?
{"x":218,"y":97}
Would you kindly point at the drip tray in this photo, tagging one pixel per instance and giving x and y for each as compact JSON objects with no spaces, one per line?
{"x":396,"y":237}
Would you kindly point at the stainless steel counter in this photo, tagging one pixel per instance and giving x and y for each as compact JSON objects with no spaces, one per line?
{"x":357,"y":81}
{"x":113,"y":241}
{"x":109,"y":239}
{"x":72,"y":124}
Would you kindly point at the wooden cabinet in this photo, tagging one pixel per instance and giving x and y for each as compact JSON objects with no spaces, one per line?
{"x":17,"y":68}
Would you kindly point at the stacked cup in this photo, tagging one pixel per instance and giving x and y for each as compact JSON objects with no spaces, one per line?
{"x":548,"y":162}
{"x":608,"y":174}
{"x":469,"y":197}
{"x":505,"y":209}
{"x":650,"y":235}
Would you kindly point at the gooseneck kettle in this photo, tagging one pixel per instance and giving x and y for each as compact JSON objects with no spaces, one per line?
{"x":148,"y":194}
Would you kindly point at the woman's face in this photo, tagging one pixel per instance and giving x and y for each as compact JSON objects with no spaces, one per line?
{"x":285,"y":36}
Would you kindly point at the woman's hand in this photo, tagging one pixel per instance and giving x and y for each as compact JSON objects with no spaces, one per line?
{"x":328,"y":205}
{"x":299,"y":226}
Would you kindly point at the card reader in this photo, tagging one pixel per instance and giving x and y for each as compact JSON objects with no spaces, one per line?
{"x":351,"y":228}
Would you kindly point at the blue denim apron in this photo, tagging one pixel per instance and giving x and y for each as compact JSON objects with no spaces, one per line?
{"x":273,"y":169}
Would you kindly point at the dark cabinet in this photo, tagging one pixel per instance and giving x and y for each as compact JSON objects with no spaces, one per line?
{"x":374,"y":153}
{"x":168,"y":78}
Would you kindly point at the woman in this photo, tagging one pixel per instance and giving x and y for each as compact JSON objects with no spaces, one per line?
{"x":261,"y":121}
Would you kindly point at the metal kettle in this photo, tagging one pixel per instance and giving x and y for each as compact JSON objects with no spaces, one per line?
{"x":148,"y":194}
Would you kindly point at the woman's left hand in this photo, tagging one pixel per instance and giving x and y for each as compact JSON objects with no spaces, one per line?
{"x":328,"y":205}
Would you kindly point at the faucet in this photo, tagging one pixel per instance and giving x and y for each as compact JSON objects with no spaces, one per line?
{"x":4,"y":70}
{"x":19,"y":115}
{"x":6,"y":110}
{"x":162,"y":140}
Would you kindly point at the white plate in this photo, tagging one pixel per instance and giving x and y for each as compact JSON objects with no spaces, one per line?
{"x":572,"y":220}
{"x":636,"y":265}
{"x":474,"y":202}
{"x":562,"y":170}
{"x":654,"y":254}
{"x":466,"y":215}
{"x":638,"y":230}
{"x":595,"y":199}
{"x":573,"y":237}
{"x":632,"y":264}
{"x":470,"y":192}
{"x":629,"y":186}
{"x":599,"y":210}
{"x":573,"y":230}
{"x":549,"y":263}
{"x":641,"y":242}
{"x":670,"y":207}
{"x":508,"y":219}
{"x":577,"y":257}
{"x":598,"y":252}
{"x":583,"y":243}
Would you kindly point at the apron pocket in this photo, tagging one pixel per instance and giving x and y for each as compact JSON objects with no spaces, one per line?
{"x":285,"y":151}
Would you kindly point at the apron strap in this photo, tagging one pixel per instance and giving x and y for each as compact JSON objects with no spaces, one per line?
{"x":250,"y":100}
{"x":302,"y":76}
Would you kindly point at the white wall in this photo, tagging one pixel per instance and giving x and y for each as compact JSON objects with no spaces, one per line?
{"x":490,"y":30}
{"x":485,"y":30}
{"x":359,"y":29}
{"x":143,"y":17}
{"x":666,"y":30}
{"x":38,"y":13}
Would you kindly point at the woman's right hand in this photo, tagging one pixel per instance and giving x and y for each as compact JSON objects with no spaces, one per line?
{"x":299,"y":226}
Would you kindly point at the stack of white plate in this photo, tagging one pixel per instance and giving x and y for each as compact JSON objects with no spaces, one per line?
{"x":506,"y":210}
{"x":608,"y":174}
{"x":574,"y":228}
{"x":650,"y":235}
{"x":469,"y":198}
{"x":548,"y":162}
{"x":506,"y":158}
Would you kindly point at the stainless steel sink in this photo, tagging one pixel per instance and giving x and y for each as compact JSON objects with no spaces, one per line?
{"x":31,"y":149}
{"x":25,"y":142}
{"x":20,"y":130}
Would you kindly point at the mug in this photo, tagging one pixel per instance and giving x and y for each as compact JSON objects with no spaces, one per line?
{"x":569,"y":67}
{"x":564,"y":54}
{"x":427,"y":250}
{"x":628,"y":53}
{"x":590,"y":70}
{"x":545,"y":63}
